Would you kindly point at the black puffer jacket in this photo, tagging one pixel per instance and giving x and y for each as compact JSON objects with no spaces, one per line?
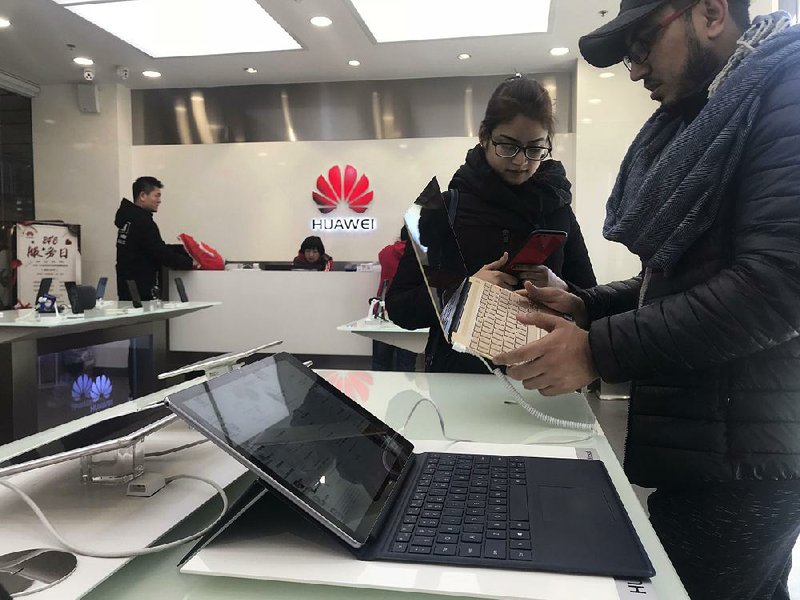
{"x":714,"y":351}
{"x":141,"y":252}
{"x":492,"y":217}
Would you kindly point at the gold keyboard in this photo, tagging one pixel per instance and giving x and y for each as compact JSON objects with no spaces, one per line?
{"x":496,"y":327}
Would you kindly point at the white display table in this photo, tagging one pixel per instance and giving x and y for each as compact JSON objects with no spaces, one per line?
{"x":388,"y":333}
{"x":474,"y":407}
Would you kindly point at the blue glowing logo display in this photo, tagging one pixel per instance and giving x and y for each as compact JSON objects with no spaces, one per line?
{"x":81,"y":387}
{"x":101,"y":387}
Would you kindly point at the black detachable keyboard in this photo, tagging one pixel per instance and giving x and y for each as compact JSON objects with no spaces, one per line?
{"x":469,"y":506}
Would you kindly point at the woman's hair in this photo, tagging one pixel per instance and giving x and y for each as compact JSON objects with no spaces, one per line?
{"x":313,"y":242}
{"x":518,"y":96}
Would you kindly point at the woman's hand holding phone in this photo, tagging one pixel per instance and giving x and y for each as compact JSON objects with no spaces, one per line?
{"x":491,"y":273}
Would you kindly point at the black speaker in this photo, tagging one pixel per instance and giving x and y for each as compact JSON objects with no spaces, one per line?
{"x":86,"y":298}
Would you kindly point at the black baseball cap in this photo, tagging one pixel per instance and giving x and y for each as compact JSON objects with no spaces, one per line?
{"x":605,"y":46}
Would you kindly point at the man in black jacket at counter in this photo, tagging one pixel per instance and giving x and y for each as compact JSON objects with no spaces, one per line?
{"x":141,"y":253}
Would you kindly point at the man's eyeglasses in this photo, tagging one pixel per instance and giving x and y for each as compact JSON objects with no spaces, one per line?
{"x":639,"y":50}
{"x":509,"y":150}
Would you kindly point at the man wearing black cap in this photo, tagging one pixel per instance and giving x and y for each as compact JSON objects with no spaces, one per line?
{"x":708,"y":196}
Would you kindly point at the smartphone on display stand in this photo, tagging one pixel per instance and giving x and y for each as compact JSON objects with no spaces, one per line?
{"x":136,"y":299}
{"x":536,"y":249}
{"x":181,"y":289}
{"x":44,"y":287}
{"x":72,"y":296}
{"x":101,"y":288}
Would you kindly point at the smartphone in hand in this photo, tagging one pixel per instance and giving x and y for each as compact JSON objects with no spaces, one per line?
{"x":536,"y":249}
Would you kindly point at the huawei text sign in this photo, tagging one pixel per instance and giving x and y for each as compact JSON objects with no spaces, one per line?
{"x":337,"y":190}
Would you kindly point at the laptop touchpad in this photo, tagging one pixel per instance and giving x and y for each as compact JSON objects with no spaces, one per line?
{"x":573,"y":503}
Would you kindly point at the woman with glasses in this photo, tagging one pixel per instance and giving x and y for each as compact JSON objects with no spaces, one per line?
{"x":505,"y":190}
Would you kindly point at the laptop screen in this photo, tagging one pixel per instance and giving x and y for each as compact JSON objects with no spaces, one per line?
{"x":292,"y":425}
{"x":437,"y":250}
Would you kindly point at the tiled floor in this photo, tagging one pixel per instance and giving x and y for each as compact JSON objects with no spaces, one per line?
{"x":613,"y":418}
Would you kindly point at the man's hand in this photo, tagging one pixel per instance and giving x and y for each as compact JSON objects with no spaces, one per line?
{"x":195,"y":264}
{"x":540,"y":276}
{"x":558,"y":363}
{"x":492,"y":274}
{"x":558,"y":300}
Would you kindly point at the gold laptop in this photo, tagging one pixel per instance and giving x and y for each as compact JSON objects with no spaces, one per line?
{"x":476,"y":317}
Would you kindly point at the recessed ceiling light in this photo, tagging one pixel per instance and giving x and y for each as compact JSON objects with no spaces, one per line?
{"x":426,"y":20}
{"x":586,"y":121}
{"x":595,"y":100}
{"x":354,"y":63}
{"x":606,"y":75}
{"x":250,"y":70}
{"x":151,"y":74}
{"x":83,"y":61}
{"x":559,"y":51}
{"x":321,"y":21}
{"x":159,"y":29}
{"x":4,"y":23}
{"x":464,"y":56}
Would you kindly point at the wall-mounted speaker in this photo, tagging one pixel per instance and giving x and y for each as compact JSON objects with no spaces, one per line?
{"x":88,"y":99}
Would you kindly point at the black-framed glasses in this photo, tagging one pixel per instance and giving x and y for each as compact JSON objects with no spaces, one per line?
{"x":509,"y":150}
{"x":639,"y":49}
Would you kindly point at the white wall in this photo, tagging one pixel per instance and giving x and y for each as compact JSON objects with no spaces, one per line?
{"x":604,"y":131}
{"x":82,"y":166}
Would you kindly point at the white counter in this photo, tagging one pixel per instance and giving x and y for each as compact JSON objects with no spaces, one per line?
{"x":303,"y":308}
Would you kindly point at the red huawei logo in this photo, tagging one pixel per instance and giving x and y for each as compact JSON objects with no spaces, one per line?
{"x":354,"y":384}
{"x":333,"y":190}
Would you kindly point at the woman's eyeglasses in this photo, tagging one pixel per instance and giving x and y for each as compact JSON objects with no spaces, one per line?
{"x":509,"y":150}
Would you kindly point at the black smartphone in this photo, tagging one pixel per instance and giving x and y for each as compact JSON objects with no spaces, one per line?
{"x":181,"y":289}
{"x":44,"y":287}
{"x":136,"y":299}
{"x":101,"y":288}
{"x":536,"y":249}
{"x":72,"y":295}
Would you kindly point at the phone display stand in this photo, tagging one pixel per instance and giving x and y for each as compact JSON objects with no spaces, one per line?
{"x":219,"y":365}
{"x":115,"y":466}
{"x":377,"y":310}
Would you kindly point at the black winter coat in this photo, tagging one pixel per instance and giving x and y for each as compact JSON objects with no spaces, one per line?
{"x":141,"y":253}
{"x":492,"y":217}
{"x":714,"y":351}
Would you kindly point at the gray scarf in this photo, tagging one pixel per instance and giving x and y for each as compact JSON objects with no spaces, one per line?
{"x":673,"y":178}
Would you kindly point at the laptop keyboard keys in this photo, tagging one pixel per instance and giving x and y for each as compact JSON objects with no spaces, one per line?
{"x":495,"y":549}
{"x":473,"y":550}
{"x":445,"y":549}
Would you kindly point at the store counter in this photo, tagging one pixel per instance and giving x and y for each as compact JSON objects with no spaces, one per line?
{"x":302,"y":308}
{"x":474,"y":407}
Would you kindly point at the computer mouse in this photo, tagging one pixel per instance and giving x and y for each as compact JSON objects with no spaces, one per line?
{"x":35,"y":568}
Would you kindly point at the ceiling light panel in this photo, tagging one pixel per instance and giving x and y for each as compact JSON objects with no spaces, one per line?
{"x":162,"y":28}
{"x":443,"y":19}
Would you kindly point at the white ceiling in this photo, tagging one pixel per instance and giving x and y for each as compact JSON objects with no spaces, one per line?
{"x":35,"y":48}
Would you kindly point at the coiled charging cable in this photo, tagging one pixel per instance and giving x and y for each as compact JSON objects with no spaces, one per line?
{"x":535,"y":412}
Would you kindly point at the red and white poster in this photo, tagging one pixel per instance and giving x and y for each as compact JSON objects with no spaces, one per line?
{"x":47,"y":250}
